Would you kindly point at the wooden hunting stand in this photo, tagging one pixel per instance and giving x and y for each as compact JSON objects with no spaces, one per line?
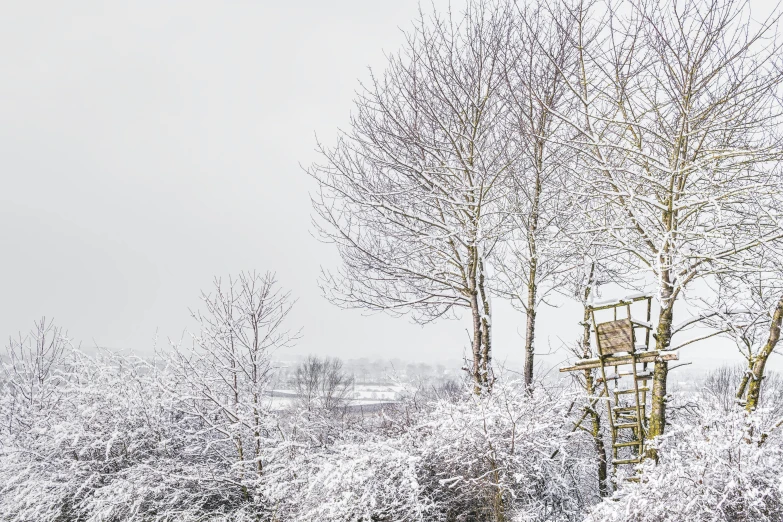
{"x":623,"y":345}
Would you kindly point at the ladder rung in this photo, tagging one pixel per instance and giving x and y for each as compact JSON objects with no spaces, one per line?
{"x":637,"y":460}
{"x":627,"y":444}
{"x":639,"y":375}
{"x":623,"y":409}
{"x":623,"y":426}
{"x":631,"y":479}
{"x":620,"y":392}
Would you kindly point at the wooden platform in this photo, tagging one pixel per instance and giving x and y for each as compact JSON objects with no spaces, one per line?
{"x":617,"y":360}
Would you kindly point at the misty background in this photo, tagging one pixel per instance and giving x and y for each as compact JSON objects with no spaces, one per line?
{"x":147,"y":147}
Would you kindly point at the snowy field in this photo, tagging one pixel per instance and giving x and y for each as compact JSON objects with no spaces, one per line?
{"x":367,"y":396}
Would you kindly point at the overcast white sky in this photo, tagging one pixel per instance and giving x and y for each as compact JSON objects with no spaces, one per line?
{"x":147,"y":146}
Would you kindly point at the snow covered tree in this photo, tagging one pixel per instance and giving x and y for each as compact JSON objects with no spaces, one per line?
{"x":411,"y":194}
{"x":219,"y":380}
{"x":535,"y":254}
{"x":678,"y":119}
{"x":321,"y":383}
{"x":748,"y":307}
{"x":33,"y":375}
{"x":584,"y":284}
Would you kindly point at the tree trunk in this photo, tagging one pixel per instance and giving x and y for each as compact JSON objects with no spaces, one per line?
{"x":595,"y":430}
{"x":661,"y":371}
{"x":760,"y":361}
{"x":486,"y":326}
{"x":530,"y":329}
{"x":480,"y":310}
{"x":744,"y":382}
{"x":478,"y":380}
{"x":498,"y":506}
{"x":532,"y":282}
{"x":598,"y":440}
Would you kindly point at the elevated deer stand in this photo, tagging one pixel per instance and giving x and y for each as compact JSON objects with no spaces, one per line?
{"x":623,"y":347}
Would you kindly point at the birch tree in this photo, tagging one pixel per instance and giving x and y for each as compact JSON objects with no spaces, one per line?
{"x":678,"y":118}
{"x":411,"y":192}
{"x":535,"y":253}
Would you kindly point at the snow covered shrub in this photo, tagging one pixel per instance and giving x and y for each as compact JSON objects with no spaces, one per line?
{"x":721,"y":468}
{"x":461,"y":457}
{"x":489,"y":457}
{"x":168,"y":490}
{"x":720,"y":389}
{"x":114,"y":448}
{"x":106,"y":420}
{"x":374,"y":480}
{"x":122,"y":439}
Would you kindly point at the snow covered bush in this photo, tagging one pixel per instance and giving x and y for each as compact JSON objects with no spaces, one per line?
{"x":721,"y":468}
{"x":129,"y":440}
{"x":106,"y":420}
{"x":490,"y":457}
{"x":114,"y":448}
{"x":373,"y":480}
{"x":121,"y":443}
{"x":459,"y":457}
{"x":117,"y":446}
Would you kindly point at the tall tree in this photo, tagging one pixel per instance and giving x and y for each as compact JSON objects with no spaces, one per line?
{"x":678,"y":102}
{"x":535,"y":253}
{"x":411,"y":194}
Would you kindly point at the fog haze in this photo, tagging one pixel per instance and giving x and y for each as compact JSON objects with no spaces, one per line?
{"x":149,"y":146}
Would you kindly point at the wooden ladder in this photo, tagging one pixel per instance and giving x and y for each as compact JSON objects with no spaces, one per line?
{"x":627,"y":398}
{"x":617,"y":348}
